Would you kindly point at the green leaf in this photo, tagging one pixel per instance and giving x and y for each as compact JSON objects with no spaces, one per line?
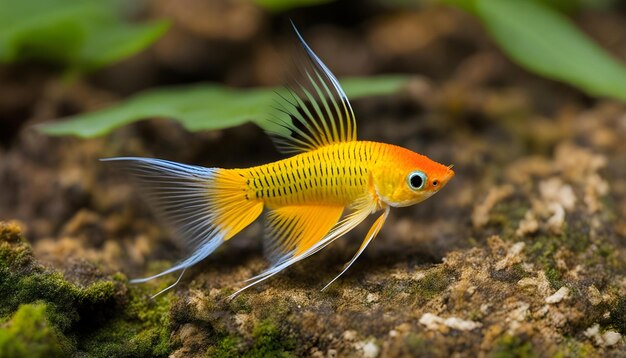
{"x":79,"y":34}
{"x":202,"y":107}
{"x":547,"y":43}
{"x":119,"y":42}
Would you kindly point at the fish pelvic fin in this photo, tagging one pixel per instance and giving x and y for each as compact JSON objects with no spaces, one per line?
{"x":371,"y":234}
{"x":204,"y":207}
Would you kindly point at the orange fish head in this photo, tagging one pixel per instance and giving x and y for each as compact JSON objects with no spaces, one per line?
{"x":408,"y":178}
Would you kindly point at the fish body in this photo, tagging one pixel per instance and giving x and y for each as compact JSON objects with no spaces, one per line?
{"x":310,"y":199}
{"x":341,"y":174}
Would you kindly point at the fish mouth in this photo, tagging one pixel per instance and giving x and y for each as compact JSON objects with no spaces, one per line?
{"x":450,"y":173}
{"x":447,"y":177}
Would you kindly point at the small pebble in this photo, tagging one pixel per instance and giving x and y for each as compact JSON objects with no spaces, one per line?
{"x":437,"y":323}
{"x":611,"y":338}
{"x":559,"y":295}
{"x":370,"y":350}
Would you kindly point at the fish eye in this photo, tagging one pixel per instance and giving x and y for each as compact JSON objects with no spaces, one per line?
{"x":416,"y":180}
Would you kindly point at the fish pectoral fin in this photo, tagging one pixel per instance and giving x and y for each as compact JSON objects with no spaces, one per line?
{"x":314,"y":111}
{"x":307,"y":248}
{"x":371,"y":234}
{"x":292,"y":230}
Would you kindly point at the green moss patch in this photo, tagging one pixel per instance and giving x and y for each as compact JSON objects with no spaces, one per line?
{"x":46,"y":315}
{"x":436,"y":280}
{"x":512,"y":346}
{"x":268,"y":340}
{"x":30,"y":333}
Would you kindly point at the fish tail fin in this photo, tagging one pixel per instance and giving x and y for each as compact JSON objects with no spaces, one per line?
{"x":203,"y":206}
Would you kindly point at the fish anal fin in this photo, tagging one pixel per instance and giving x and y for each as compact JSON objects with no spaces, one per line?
{"x":292,"y":230}
{"x":314,"y":111}
{"x":357,"y":213}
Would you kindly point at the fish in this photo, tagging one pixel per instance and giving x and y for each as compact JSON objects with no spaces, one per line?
{"x":330,"y":184}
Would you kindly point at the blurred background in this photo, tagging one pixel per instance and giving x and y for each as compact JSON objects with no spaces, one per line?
{"x":525,"y":98}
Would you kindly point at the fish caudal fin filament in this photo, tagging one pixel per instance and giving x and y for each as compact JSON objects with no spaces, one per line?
{"x":204,"y":206}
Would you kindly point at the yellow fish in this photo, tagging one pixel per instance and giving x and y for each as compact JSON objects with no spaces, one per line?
{"x":332,"y":184}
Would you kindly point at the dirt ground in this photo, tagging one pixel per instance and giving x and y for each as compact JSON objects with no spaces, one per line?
{"x":522,"y":254}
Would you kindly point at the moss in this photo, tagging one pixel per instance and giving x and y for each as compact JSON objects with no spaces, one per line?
{"x":607,"y":254}
{"x":281,"y":307}
{"x":104,"y":318}
{"x":417,"y":346}
{"x":554,"y":277}
{"x":512,"y":346}
{"x":141,"y":328}
{"x":573,"y":348}
{"x":22,"y":281}
{"x":69,"y":299}
{"x":228,"y":346}
{"x":122,"y":337}
{"x":511,"y":275}
{"x":434,"y":282}
{"x":14,"y":250}
{"x":617,"y":316}
{"x":475,"y":315}
{"x":506,"y":216}
{"x":240,"y":304}
{"x":31,"y":334}
{"x":269,"y":341}
{"x":576,"y":235}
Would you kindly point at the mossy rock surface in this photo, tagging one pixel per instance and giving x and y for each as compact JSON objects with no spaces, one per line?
{"x":45,"y":315}
{"x":522,"y":254}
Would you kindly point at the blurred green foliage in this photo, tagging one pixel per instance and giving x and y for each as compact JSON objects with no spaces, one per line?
{"x":545,"y":42}
{"x":203,"y":107}
{"x":88,"y":34}
{"x":81,"y":35}
{"x":576,"y":5}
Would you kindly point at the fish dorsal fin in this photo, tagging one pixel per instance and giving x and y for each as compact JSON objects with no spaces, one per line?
{"x":291,"y":230}
{"x":314,"y":111}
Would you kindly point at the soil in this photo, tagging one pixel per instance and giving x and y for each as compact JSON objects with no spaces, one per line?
{"x":522,"y":254}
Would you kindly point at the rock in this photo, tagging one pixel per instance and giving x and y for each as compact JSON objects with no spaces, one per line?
{"x":480,"y":215}
{"x":372,"y":298}
{"x":349,"y":335}
{"x":512,"y":256}
{"x":557,"y":220}
{"x":540,"y":282}
{"x":559,"y":295}
{"x":436,"y":323}
{"x":528,"y":225}
{"x":607,"y":339}
{"x":370,"y":350}
{"x":611,"y":338}
{"x":593,"y":295}
{"x":554,"y":190}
